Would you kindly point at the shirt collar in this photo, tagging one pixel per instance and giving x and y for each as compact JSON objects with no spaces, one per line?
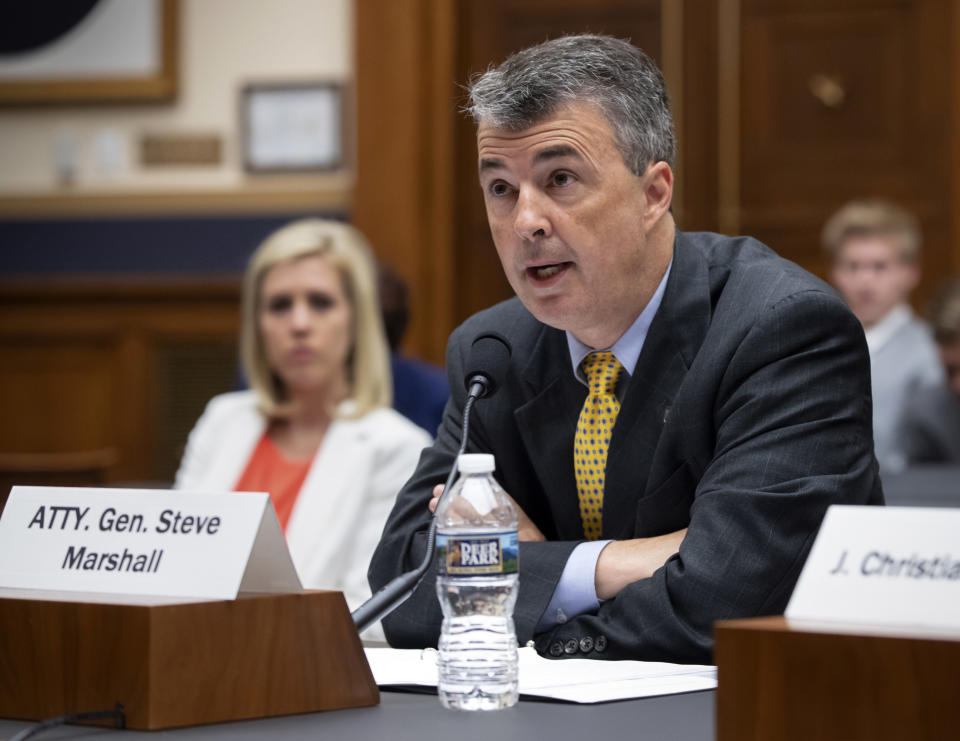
{"x":627,"y":349}
{"x":880,"y":333}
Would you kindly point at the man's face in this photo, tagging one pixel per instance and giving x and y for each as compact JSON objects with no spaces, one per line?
{"x":572,"y":224}
{"x":872,"y":277}
{"x":950,"y":355}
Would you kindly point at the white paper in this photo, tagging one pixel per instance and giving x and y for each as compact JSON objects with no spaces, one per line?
{"x":571,"y":680}
{"x":897,"y":566}
{"x":150,"y":542}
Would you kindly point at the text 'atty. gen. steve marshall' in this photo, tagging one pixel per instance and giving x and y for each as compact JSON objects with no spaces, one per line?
{"x":80,"y":557}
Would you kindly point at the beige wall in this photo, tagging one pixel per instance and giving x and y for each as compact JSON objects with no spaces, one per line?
{"x":223,"y":44}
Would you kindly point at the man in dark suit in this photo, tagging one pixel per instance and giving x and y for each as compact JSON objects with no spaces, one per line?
{"x":742,"y":382}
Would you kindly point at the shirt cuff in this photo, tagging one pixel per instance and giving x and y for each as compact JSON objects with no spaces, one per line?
{"x":576,"y":591}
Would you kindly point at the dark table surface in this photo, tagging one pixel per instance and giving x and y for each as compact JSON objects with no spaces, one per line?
{"x":419,"y":717}
{"x":930,"y":485}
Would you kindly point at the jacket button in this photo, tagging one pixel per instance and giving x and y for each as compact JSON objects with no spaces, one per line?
{"x":556,"y":648}
{"x":571,"y":646}
{"x":600,"y":643}
{"x":586,"y":644}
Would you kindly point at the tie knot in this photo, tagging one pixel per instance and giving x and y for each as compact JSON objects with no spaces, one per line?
{"x":602,"y":370}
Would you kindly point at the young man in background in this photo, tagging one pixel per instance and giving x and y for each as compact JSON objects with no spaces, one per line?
{"x":875,"y":251}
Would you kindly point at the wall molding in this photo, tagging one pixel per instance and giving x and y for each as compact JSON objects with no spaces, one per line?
{"x":260,"y":199}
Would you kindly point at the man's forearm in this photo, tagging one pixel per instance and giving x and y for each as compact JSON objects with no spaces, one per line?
{"x":623,"y":562}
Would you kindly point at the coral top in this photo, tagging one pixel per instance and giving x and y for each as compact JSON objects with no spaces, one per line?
{"x":269,"y":470}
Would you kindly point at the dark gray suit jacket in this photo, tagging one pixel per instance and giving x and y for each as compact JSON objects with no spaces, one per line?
{"x":748,"y":413}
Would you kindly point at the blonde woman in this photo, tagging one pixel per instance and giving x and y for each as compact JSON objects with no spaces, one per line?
{"x":316,"y":429}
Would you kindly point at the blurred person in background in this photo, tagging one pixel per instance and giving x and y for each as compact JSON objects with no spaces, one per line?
{"x":420,"y":390}
{"x":931,"y":419}
{"x":316,"y":429}
{"x":874,"y":247}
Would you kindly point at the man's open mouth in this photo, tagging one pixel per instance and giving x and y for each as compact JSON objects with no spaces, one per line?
{"x":543,"y":272}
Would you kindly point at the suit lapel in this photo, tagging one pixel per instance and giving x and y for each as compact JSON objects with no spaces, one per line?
{"x":547,"y":424}
{"x":675,"y":335}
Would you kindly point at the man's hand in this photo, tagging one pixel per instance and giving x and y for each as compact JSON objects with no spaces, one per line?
{"x":526,"y":530}
{"x":623,"y":562}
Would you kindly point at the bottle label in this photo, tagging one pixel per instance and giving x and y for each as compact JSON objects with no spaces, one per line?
{"x":472,"y":555}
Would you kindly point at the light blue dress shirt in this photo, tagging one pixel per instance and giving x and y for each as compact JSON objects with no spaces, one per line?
{"x":576,"y":591}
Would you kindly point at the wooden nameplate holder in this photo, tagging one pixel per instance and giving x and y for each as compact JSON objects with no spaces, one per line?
{"x":789,"y":679}
{"x":185,"y":663}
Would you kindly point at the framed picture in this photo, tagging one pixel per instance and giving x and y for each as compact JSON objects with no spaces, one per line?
{"x":292,"y":127}
{"x":89,"y":51}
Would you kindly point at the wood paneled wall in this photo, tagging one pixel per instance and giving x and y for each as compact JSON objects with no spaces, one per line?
{"x":405,"y":196}
{"x":847,"y":100}
{"x":111,"y":369}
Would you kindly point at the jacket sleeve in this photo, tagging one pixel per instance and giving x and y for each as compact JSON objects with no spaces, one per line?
{"x":792,"y":430}
{"x":416,"y":623}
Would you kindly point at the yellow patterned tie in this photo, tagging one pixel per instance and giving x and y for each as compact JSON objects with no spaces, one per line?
{"x":592,"y":440}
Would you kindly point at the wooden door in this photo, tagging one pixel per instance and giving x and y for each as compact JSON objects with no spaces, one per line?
{"x":841,"y":101}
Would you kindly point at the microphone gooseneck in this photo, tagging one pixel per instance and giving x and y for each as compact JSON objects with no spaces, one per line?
{"x":488,"y":361}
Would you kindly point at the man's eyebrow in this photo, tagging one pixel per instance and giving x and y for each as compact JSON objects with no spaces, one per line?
{"x":561,"y":150}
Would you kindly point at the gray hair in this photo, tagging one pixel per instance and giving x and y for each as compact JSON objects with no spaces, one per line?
{"x":614,"y":75}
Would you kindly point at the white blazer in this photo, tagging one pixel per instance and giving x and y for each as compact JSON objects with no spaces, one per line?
{"x":344,"y":501}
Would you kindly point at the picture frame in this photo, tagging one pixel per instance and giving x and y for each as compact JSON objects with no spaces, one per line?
{"x":292,"y":127}
{"x":53,"y":76}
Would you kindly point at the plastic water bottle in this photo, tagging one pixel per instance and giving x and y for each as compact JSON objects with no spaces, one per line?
{"x":477,"y":588}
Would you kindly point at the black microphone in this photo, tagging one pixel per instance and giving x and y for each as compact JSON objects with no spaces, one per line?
{"x":487,"y":366}
{"x":488,"y":361}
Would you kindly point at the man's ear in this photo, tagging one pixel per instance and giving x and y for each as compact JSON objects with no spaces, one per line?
{"x":658,"y":188}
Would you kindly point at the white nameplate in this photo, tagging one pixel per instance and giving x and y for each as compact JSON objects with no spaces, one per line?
{"x":897,"y":566}
{"x":143,"y":542}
